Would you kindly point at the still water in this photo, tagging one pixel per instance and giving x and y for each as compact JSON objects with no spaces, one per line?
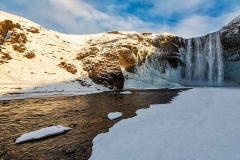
{"x":86,"y":115}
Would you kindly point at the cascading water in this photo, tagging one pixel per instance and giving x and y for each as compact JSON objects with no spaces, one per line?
{"x":153,"y":73}
{"x":204,"y":61}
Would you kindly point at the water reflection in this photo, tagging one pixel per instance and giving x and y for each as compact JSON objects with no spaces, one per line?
{"x":86,"y":114}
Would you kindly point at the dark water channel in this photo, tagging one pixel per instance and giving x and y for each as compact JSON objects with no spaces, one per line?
{"x":86,"y":114}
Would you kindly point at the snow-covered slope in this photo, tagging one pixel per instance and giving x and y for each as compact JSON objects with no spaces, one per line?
{"x":34,"y":59}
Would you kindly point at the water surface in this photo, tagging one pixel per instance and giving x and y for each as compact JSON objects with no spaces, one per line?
{"x":86,"y":114}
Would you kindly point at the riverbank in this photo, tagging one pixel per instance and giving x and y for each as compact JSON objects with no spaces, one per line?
{"x":86,"y":114}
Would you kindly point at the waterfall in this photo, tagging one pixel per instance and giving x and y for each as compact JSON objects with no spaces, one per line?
{"x":204,"y":61}
{"x":189,"y":60}
{"x":198,"y":70}
{"x":219,"y":60}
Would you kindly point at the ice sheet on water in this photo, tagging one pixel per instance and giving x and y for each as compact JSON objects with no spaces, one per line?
{"x":201,"y":123}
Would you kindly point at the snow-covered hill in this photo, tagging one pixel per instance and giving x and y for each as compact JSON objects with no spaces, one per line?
{"x":35,"y":59}
{"x":40,"y":61}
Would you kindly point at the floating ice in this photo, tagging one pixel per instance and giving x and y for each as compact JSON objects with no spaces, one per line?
{"x":42,"y":133}
{"x":114,"y":115}
{"x":201,"y":123}
{"x":126,"y":92}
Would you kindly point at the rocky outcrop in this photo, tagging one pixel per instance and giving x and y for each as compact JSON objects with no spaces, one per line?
{"x":212,"y":58}
{"x":17,"y":41}
{"x":230,"y":36}
{"x":106,"y":56}
{"x":197,"y":60}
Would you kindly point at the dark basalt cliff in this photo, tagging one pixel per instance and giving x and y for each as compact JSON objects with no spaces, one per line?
{"x":230,"y":40}
{"x":230,"y":37}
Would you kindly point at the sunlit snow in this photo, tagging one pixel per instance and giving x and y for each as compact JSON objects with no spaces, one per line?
{"x":126,"y":92}
{"x":114,"y":115}
{"x":201,"y":123}
{"x":42,"y":133}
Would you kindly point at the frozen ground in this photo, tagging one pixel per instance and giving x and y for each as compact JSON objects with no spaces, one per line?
{"x":42,"y":133}
{"x":50,"y":89}
{"x":201,"y":123}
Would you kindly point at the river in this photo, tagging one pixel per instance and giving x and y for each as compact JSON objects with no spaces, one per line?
{"x":86,"y":115}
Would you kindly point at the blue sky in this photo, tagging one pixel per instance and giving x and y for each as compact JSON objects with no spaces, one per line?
{"x":186,"y":18}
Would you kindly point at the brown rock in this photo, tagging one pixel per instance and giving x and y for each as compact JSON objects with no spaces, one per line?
{"x":104,"y":58}
{"x":113,"y":80}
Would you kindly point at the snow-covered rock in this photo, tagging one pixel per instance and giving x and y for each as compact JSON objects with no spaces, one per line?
{"x":42,"y":133}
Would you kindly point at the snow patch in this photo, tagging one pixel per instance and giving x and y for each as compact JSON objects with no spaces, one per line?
{"x":166,"y":34}
{"x":126,"y":92}
{"x":201,"y":123}
{"x":46,"y":90}
{"x":114,"y":115}
{"x":42,"y":133}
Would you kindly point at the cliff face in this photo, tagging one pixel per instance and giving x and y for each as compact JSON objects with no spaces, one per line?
{"x":105,"y":57}
{"x":114,"y":59}
{"x":212,"y":58}
{"x":230,"y":37}
{"x":167,"y":60}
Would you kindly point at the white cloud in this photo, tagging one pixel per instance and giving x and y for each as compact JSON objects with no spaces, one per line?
{"x":81,"y":17}
{"x":193,"y":26}
{"x":167,"y":8}
{"x":226,"y":18}
{"x":199,"y":25}
{"x":78,"y":8}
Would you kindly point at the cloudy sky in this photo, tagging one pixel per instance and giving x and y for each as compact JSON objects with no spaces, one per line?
{"x":186,"y":18}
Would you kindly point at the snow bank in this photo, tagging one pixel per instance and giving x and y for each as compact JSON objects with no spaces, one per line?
{"x":42,"y":133}
{"x":202,"y":123}
{"x":126,"y":92}
{"x":114,"y":115}
{"x":60,"y":88}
